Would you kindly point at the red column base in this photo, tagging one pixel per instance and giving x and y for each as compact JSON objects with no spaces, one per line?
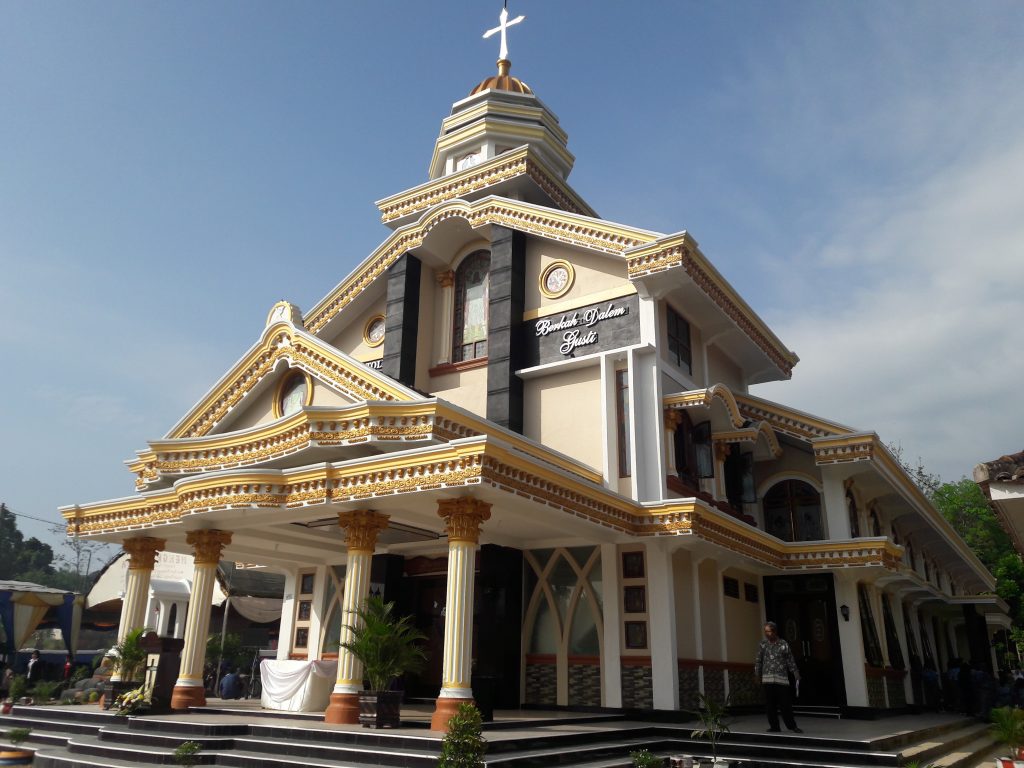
{"x":343,"y":709}
{"x":444,"y":711}
{"x":185,"y":696}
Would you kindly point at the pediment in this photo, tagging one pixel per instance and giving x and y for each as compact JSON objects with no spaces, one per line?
{"x":241,"y":396}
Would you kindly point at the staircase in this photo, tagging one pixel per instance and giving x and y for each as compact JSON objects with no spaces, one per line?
{"x":75,"y":738}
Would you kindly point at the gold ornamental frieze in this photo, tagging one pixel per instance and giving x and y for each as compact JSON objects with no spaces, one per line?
{"x":142,"y":552}
{"x":362,"y":527}
{"x":845,"y":450}
{"x":463,"y":517}
{"x":208,"y":545}
{"x":793,"y":424}
{"x":703,"y":398}
{"x":583,"y":231}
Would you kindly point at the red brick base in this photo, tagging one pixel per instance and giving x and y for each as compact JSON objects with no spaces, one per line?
{"x":343,"y":709}
{"x":185,"y":696}
{"x":444,"y":711}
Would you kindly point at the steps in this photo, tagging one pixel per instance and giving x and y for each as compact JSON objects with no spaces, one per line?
{"x":76,"y":738}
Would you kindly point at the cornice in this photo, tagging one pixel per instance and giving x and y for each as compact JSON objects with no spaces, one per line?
{"x":581,"y":231}
{"x":787,"y":420}
{"x":751,"y":434}
{"x":844,"y":449}
{"x":387,"y":422}
{"x":703,"y":398}
{"x":680,"y":251}
{"x":498,"y":125}
{"x":302,"y":350}
{"x":534,"y":111}
{"x":518,"y":162}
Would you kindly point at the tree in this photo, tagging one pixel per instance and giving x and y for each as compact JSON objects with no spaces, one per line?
{"x":923,"y":479}
{"x":21,"y":560}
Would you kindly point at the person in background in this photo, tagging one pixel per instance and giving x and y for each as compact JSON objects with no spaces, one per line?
{"x":35,"y":669}
{"x":772,"y":668}
{"x":68,"y":667}
{"x":231,"y":685}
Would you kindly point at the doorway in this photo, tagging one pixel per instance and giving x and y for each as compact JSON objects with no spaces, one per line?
{"x":804,"y":607}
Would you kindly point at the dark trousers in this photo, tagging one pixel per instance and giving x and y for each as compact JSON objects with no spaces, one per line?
{"x":779,"y":697}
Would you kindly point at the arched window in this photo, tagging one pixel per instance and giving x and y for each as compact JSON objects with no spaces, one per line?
{"x":851,"y":506}
{"x":792,"y":511}
{"x":469,"y":333}
{"x":876,"y":528}
{"x":295,"y":391}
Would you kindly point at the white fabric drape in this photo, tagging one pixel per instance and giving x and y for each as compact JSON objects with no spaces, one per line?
{"x":297,"y":686}
{"x":257,"y":609}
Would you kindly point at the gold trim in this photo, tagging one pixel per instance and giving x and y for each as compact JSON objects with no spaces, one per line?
{"x":366,"y":332}
{"x":543,"y":280}
{"x":581,"y":231}
{"x":290,"y":375}
{"x":303,"y":351}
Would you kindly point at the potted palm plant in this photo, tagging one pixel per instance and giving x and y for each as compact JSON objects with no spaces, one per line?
{"x":388,"y":647}
{"x":128,"y":658}
{"x":713,"y":726}
{"x":16,"y":755}
{"x":1008,"y":728}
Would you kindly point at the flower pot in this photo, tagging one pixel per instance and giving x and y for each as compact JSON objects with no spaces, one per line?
{"x":16,"y":756}
{"x":6,"y":707}
{"x":380,"y":709}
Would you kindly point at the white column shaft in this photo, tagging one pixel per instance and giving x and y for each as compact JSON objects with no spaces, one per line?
{"x":357,"y":588}
{"x":197,"y":625}
{"x":458,"y":622}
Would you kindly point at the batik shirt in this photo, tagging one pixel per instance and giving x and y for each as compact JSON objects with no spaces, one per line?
{"x":774,"y":661}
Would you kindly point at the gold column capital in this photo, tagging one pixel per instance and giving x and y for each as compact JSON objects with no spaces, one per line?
{"x":446,"y":279}
{"x":142,"y":552}
{"x":463,"y":517}
{"x":208,"y":545}
{"x":361,"y":527}
{"x":673,"y":417}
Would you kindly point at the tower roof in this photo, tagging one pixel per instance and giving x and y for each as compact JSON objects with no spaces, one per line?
{"x":503,"y":81}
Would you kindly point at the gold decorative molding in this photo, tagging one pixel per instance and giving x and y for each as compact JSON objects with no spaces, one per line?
{"x":844,"y":449}
{"x":208,"y":545}
{"x":518,"y":162}
{"x":788,"y":421}
{"x":303,"y":351}
{"x":463,"y":517}
{"x":673,"y":418}
{"x":361,"y":527}
{"x":573,"y":229}
{"x":446,"y":279}
{"x":142,"y":552}
{"x":703,"y":398}
{"x":679,"y":251}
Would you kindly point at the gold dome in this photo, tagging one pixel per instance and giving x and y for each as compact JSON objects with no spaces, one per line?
{"x":503,"y":81}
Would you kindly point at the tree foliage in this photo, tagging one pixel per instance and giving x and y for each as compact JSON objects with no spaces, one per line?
{"x":21,"y":560}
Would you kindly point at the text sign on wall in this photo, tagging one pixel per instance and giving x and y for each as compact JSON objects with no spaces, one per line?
{"x":583,"y":331}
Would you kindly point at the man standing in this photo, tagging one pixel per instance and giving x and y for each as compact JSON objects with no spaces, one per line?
{"x":35,"y":669}
{"x":772,"y":668}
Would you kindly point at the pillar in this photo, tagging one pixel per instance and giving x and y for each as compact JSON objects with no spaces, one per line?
{"x":463,"y":518}
{"x":672,"y":419}
{"x":141,"y":559}
{"x":837,"y":512}
{"x":361,"y":528}
{"x":611,"y":662}
{"x":207,"y":547}
{"x":662,"y":615}
{"x":286,"y":629}
{"x":443,"y":351}
{"x":851,"y":641}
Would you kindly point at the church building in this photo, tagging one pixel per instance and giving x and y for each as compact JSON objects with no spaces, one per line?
{"x":532,"y":429}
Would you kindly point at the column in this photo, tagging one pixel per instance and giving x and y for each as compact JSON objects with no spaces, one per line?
{"x":463,"y":518}
{"x":672,"y":419}
{"x":611,"y":662}
{"x":443,"y":351}
{"x":207,"y":547}
{"x":851,"y":642}
{"x":141,"y":558}
{"x":361,"y":528}
{"x":662,"y":616}
{"x":286,"y":629}
{"x":837,"y":513}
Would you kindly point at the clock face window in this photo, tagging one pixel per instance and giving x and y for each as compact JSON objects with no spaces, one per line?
{"x":373,"y":334}
{"x":293,"y":395}
{"x":557,"y":279}
{"x":467,"y":161}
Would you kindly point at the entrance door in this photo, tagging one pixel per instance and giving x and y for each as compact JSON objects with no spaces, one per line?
{"x":804,"y":607}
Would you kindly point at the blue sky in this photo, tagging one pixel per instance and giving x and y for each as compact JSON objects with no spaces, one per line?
{"x":169,"y":170}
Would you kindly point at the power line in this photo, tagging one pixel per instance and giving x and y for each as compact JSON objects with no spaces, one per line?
{"x":29,"y":517}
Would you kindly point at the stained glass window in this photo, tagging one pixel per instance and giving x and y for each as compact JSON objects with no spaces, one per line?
{"x":471,"y":297}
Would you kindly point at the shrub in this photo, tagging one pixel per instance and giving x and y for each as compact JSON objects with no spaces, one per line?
{"x":45,"y":690}
{"x":18,"y":735}
{"x":644,"y":759}
{"x":464,"y":745}
{"x":186,"y":753}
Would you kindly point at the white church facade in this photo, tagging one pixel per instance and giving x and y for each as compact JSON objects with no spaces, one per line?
{"x":532,"y":429}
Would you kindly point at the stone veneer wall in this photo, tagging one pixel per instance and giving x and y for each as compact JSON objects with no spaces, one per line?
{"x":637,"y":687}
{"x":897,"y":693}
{"x":541,"y":684}
{"x":714,"y":683}
{"x":689,"y":686}
{"x":876,"y":691}
{"x":584,"y":685}
{"x":743,"y":688}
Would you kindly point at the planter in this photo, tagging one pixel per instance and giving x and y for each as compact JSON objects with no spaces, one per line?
{"x":380,"y":709}
{"x":6,"y":707}
{"x":16,"y":756}
{"x":114,"y":688}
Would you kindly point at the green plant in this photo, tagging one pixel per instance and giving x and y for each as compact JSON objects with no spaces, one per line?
{"x":94,"y":696}
{"x":45,"y":689}
{"x":231,"y":650}
{"x":128,"y":654}
{"x":186,"y":753}
{"x":81,"y":673}
{"x":387,"y":646}
{"x":463,"y":745}
{"x":642,"y":758}
{"x":18,"y":687}
{"x":18,"y":735}
{"x":1008,"y":727}
{"x":712,"y":720}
